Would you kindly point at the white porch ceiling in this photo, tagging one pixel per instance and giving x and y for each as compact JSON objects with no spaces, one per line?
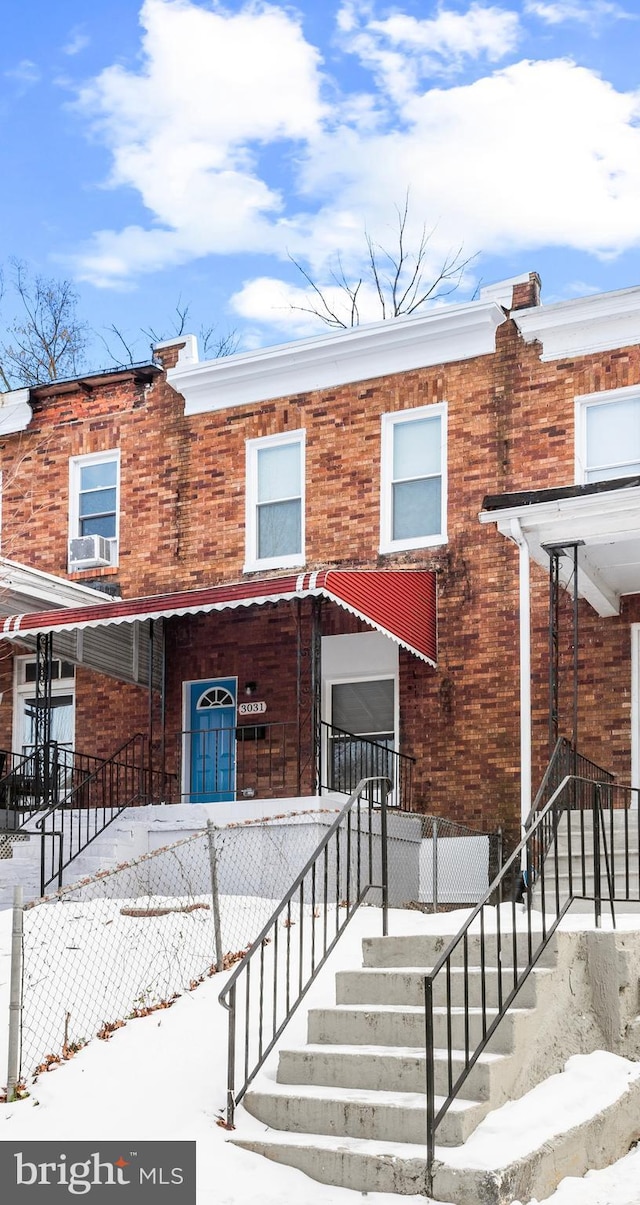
{"x":605,"y":523}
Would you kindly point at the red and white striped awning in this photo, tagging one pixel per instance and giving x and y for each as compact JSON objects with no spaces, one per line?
{"x":400,"y":603}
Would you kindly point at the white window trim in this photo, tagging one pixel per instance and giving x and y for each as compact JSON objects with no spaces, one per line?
{"x":361,"y":662}
{"x":252,"y":560}
{"x":389,"y":421}
{"x":23,"y":690}
{"x":76,"y":463}
{"x":582,"y":404}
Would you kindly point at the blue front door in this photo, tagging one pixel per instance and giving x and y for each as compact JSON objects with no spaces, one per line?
{"x":212,"y":740}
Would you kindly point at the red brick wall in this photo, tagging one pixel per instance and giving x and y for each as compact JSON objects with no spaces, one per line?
{"x":510,"y":425}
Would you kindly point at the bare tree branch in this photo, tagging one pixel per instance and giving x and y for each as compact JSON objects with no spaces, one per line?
{"x":129,"y":359}
{"x":398,"y":276}
{"x":45,"y":340}
{"x":213,"y":345}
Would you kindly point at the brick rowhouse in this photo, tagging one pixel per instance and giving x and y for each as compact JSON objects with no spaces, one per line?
{"x":510,"y":427}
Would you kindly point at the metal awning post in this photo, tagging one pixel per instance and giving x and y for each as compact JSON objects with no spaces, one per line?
{"x":151,"y":667}
{"x":556,"y":552}
{"x":554,"y":645}
{"x":574,"y":737}
{"x":44,"y":781}
{"x":316,"y":691}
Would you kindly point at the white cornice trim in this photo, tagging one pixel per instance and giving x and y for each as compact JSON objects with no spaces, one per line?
{"x":440,"y":336}
{"x":583,"y":326}
{"x":15,"y":411}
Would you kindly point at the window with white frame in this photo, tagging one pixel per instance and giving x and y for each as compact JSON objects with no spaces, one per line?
{"x":275,"y":501}
{"x":608,"y":435}
{"x":94,"y":505}
{"x":413,"y":491}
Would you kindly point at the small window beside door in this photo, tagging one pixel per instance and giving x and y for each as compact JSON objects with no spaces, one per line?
{"x":364,"y":709}
{"x":362,"y":732}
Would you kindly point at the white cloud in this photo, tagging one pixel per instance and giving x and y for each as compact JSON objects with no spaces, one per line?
{"x":586,"y":12}
{"x":268,"y":300}
{"x":226,"y":107}
{"x":26,"y":73}
{"x":401,"y":50}
{"x":77,"y":41}
{"x":186,"y":131}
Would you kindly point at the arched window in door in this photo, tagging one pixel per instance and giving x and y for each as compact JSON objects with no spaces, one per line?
{"x":216,"y":696}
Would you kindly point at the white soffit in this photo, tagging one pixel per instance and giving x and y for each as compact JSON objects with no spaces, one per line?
{"x":584,"y":326}
{"x":442,"y":335}
{"x":608,"y":526}
{"x":26,"y":589}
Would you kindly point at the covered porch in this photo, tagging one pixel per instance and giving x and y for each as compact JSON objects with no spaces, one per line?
{"x":264,"y":689}
{"x":587,"y":539}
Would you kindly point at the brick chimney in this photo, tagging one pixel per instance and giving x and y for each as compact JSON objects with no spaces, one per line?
{"x":526,"y":293}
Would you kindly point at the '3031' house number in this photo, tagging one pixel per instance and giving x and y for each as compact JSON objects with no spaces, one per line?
{"x":253,"y":708}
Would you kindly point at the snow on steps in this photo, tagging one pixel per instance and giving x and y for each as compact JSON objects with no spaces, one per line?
{"x":349,"y":1107}
{"x":368,"y":1165}
{"x":116,"y":844}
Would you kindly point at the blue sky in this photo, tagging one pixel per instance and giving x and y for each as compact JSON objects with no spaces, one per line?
{"x":184,"y":149}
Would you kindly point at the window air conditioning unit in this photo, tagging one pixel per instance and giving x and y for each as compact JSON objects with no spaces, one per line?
{"x":89,"y":552}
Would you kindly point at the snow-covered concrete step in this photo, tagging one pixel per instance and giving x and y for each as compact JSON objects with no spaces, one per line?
{"x":405,"y":985}
{"x":583,"y":905}
{"x":365,"y":1165}
{"x":377,"y":1067}
{"x":618,"y":820}
{"x":560,"y":886}
{"x":404,"y":1025}
{"x":564,"y":1127}
{"x":359,"y":1113}
{"x":424,"y":949}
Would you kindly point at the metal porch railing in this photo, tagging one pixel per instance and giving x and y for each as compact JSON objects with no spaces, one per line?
{"x":348,"y":866}
{"x":82,"y":796}
{"x":348,"y":759}
{"x":265,"y":760}
{"x":607,"y":870}
{"x":567,"y":762}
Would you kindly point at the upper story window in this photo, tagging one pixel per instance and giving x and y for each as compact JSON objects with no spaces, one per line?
{"x":413,"y":489}
{"x":608,"y":435}
{"x":275,"y":501}
{"x":94,"y":506}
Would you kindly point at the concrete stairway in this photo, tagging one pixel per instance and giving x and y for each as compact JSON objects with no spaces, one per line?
{"x":621,"y":829}
{"x":20,"y":860}
{"x":349,"y":1108}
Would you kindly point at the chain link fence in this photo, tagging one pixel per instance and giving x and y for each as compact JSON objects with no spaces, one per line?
{"x":457,"y":863}
{"x":132,"y":939}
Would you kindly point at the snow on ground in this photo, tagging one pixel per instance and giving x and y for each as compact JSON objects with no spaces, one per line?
{"x":163,"y":1076}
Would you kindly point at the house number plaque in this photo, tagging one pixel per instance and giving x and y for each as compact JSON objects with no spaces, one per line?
{"x":253,"y":708}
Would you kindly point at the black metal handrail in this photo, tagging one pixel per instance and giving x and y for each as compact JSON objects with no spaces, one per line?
{"x":511,"y":951}
{"x":337,"y":878}
{"x":254,"y":759}
{"x":86,"y":803}
{"x":21,"y":788}
{"x":566,"y":761}
{"x":349,"y":758}
{"x":262,"y":759}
